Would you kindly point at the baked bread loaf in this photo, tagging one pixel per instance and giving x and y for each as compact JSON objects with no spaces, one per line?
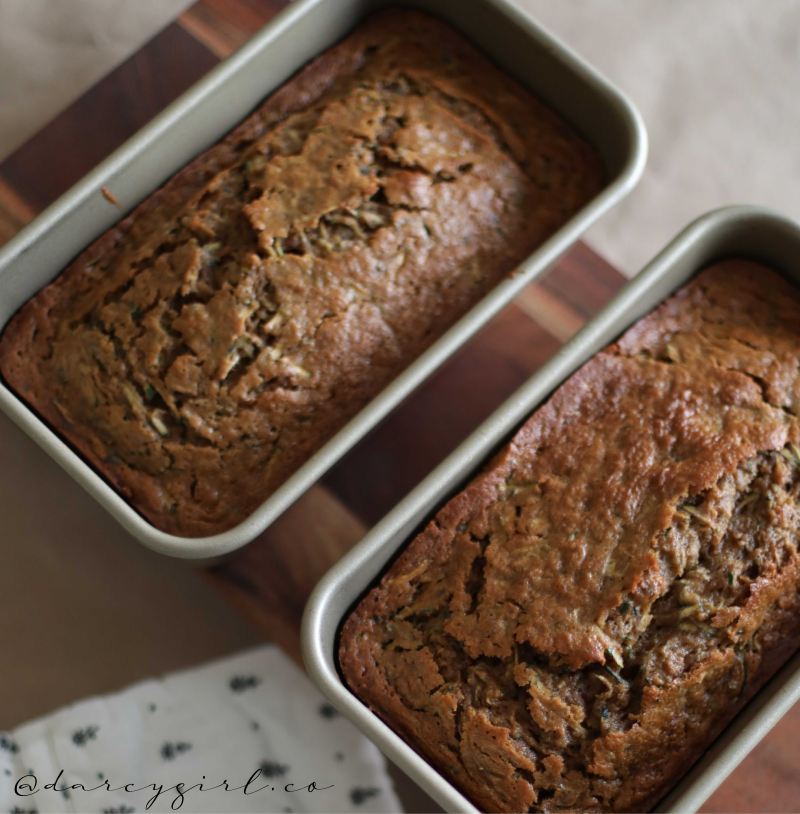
{"x":208,"y":345}
{"x":574,"y":629}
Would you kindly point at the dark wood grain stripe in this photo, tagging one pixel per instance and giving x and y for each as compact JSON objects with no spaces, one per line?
{"x":387,"y":464}
{"x":105,"y":116}
{"x":271,"y":579}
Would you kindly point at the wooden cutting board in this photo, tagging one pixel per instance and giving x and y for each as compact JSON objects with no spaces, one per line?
{"x":270,"y":580}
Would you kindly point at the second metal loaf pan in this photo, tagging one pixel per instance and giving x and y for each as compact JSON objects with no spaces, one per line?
{"x":735,"y":232}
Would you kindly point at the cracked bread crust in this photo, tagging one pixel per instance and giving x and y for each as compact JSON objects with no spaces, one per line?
{"x":572,"y":631}
{"x":202,"y":350}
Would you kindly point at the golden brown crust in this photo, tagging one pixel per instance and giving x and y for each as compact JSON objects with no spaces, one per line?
{"x":204,"y":348}
{"x":573,"y":629}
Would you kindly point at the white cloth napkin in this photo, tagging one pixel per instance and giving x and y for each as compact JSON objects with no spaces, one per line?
{"x":219,"y":722}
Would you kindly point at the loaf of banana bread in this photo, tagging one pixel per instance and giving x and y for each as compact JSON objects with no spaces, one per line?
{"x":208,"y":345}
{"x":574,"y":629}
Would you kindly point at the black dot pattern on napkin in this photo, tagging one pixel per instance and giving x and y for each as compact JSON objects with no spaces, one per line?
{"x":80,"y":737}
{"x":243,"y":683}
{"x":7,"y":744}
{"x":360,"y":795}
{"x":270,"y":768}
{"x":328,"y":711}
{"x":247,"y":690}
{"x":169,"y":751}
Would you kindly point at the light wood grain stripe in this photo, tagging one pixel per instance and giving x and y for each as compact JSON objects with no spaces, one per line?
{"x":552,"y":313}
{"x":223,"y":25}
{"x":14,"y":213}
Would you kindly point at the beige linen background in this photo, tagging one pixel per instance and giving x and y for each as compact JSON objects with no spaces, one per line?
{"x":717,"y":84}
{"x":53,"y":50}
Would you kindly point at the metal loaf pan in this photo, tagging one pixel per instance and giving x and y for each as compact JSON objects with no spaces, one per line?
{"x":733,"y":232}
{"x":225,"y":97}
